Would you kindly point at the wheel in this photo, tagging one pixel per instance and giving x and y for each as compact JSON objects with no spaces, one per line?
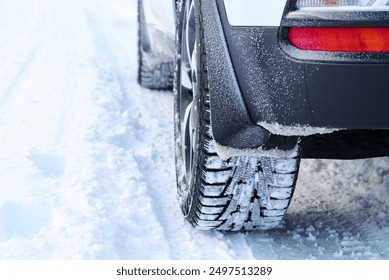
{"x":152,"y":73}
{"x":242,"y":193}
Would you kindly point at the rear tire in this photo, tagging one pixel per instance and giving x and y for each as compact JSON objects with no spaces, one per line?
{"x":151,"y":73}
{"x":242,"y":193}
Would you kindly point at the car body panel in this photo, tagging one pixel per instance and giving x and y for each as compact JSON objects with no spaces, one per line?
{"x":254,"y":12}
{"x":160,"y":14}
{"x":159,"y":18}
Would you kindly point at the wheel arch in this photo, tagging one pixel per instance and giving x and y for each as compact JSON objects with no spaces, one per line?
{"x":232,"y":126}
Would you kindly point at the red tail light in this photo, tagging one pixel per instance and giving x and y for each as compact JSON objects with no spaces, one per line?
{"x":343,"y":39}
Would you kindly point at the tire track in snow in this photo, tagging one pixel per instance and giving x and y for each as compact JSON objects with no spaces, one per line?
{"x":147,"y":153}
{"x":23,"y":53}
{"x":112,"y":77}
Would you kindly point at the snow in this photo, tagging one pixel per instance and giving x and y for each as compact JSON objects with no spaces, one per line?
{"x":296,"y":130}
{"x":87,"y":160}
{"x":225,"y":152}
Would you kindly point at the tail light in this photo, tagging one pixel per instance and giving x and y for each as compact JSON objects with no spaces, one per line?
{"x":342,"y":39}
{"x":351,"y":31}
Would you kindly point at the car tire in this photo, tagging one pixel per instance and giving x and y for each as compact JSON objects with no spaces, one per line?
{"x":159,"y":76}
{"x":242,"y":193}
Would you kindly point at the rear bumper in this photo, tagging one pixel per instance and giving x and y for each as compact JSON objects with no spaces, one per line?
{"x":263,"y":92}
{"x":298,"y":89}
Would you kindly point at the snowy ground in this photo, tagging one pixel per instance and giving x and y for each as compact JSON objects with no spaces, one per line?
{"x":86,"y":156}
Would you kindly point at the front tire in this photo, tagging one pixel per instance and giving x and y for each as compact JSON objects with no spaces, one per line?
{"x":152,"y":73}
{"x":242,"y":193}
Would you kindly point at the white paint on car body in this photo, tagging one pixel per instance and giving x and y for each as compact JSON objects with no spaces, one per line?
{"x":255,"y":12}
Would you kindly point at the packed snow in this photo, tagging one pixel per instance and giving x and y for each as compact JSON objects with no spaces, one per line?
{"x":296,"y":130}
{"x":87,"y":160}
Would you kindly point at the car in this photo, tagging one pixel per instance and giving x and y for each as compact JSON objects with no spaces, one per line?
{"x":258,"y":85}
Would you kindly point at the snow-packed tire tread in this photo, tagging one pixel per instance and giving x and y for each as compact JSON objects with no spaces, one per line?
{"x":246,"y":192}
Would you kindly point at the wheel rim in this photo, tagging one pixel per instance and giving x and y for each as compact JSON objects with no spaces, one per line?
{"x":188,"y":89}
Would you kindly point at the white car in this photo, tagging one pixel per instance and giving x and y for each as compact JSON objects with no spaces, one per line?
{"x":259,"y":84}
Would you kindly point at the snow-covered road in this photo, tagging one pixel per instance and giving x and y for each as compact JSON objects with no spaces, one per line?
{"x":87,"y":164}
